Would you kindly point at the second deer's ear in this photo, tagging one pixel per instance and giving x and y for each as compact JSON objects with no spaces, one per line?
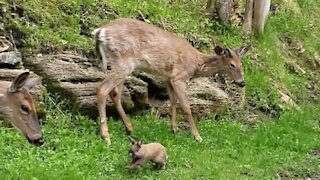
{"x":18,"y":82}
{"x":219,"y":50}
{"x":222,"y":51}
{"x":139,"y":143}
{"x":243,"y":50}
{"x":227,"y":52}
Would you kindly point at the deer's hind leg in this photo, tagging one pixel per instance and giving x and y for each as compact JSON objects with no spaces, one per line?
{"x":112,"y":79}
{"x":115,"y":95}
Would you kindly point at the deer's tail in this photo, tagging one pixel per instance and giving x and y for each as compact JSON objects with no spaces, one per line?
{"x":100,"y":47}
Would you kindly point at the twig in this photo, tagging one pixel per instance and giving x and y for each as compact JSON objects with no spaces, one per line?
{"x":14,"y":44}
{"x":143,"y":17}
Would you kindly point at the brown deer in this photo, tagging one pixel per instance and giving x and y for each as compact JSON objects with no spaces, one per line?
{"x":126,"y":45}
{"x":17,"y":107}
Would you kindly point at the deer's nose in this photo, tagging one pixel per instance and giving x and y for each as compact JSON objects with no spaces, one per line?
{"x":37,"y":142}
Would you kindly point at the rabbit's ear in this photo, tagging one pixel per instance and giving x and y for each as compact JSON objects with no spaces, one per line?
{"x":131,"y":139}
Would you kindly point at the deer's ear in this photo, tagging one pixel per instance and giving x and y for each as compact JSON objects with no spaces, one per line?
{"x":219,"y":50}
{"x":18,"y":82}
{"x":243,"y":50}
{"x":222,"y":51}
{"x":227,"y":52}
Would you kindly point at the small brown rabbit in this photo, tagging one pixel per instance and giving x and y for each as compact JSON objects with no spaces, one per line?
{"x":141,"y":153}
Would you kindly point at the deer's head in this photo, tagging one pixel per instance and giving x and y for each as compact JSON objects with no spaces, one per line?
{"x":16,"y":104}
{"x":231,"y":62}
{"x":226,"y":61}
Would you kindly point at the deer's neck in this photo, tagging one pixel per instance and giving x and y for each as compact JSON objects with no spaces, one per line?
{"x":209,"y":65}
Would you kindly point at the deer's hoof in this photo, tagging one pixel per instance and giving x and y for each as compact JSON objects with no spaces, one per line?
{"x":129,"y":131}
{"x":175,"y":130}
{"x":106,"y":140}
{"x":198,"y":139}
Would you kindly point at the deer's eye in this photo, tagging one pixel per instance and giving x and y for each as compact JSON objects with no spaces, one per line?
{"x":24,"y":109}
{"x":232,"y":66}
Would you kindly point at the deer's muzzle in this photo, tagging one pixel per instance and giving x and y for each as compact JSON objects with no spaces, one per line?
{"x":37,"y":141}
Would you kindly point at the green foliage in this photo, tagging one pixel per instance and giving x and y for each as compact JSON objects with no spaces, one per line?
{"x":231,"y":150}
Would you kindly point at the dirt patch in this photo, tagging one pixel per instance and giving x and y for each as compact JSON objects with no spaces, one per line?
{"x":286,"y":175}
{"x":315,"y":153}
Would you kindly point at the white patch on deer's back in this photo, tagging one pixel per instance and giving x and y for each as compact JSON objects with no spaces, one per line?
{"x":103,"y":53}
{"x":102,"y":47}
{"x":94,"y":32}
{"x":102,"y":35}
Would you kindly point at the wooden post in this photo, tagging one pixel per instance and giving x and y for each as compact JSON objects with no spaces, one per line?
{"x":248,"y":15}
{"x":260,"y":13}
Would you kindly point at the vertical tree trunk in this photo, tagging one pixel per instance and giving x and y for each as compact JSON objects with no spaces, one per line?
{"x":260,"y":13}
{"x":248,"y":15}
{"x":222,"y":7}
{"x":211,"y":6}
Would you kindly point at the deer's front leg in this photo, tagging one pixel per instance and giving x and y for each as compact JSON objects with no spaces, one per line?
{"x":173,"y":100}
{"x":115,"y":95}
{"x":179,"y":88}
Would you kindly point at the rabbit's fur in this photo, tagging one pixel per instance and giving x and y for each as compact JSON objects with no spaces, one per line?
{"x":141,"y":153}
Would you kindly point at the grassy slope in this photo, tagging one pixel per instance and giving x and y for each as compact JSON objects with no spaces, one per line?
{"x":230,"y":150}
{"x":73,"y":147}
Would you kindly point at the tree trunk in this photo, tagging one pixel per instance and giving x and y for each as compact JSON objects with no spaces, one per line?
{"x":223,"y":8}
{"x":248,"y":15}
{"x":260,"y":13}
{"x":211,"y":6}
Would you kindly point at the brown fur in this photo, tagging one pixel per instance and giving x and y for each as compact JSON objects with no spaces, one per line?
{"x":142,"y":153}
{"x":17,"y":107}
{"x":127,"y":45}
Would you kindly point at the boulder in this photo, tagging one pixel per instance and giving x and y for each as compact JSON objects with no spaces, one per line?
{"x":10,"y":59}
{"x":5,"y":44}
{"x":76,"y":78}
{"x":205,"y":97}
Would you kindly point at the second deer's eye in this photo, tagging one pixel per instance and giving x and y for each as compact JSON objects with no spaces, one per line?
{"x":24,"y":109}
{"x":232,"y":66}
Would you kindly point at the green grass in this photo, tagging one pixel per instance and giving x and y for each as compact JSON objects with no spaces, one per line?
{"x":230,"y":150}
